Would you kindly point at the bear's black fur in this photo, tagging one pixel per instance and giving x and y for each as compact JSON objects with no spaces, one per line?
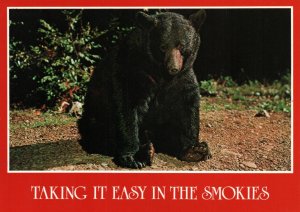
{"x":146,"y":94}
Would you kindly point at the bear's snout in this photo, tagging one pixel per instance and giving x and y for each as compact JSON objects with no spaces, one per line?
{"x":174,"y":61}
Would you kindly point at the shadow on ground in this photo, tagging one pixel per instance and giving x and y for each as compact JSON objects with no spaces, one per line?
{"x":68,"y":156}
{"x":45,"y":156}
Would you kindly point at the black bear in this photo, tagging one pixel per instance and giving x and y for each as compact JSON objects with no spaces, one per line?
{"x":146,"y":95}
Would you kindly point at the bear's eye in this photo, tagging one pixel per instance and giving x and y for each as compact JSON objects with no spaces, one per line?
{"x":180,"y":47}
{"x":188,"y":52}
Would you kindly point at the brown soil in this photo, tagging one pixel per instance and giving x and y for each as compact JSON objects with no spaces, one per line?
{"x":239,"y":141}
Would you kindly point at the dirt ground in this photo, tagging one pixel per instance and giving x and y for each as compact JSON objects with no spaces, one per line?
{"x":239,"y":141}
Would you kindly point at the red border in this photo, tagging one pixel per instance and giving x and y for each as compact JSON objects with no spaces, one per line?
{"x":15,"y":193}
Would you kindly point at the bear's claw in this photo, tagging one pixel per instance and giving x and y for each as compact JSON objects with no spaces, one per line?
{"x":129,"y":162}
{"x":198,"y":152}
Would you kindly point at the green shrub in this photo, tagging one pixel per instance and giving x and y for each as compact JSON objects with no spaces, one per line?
{"x":208,"y":87}
{"x":60,"y":63}
{"x":20,"y":81}
{"x":65,"y":60}
{"x":227,"y":81}
{"x":57,"y":66}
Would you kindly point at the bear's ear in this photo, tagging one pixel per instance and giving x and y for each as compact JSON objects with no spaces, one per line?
{"x":145,"y":21}
{"x":197,"y":19}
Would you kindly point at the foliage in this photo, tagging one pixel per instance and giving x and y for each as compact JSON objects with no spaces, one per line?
{"x":227,"y":81}
{"x":117,"y":32}
{"x":65,"y":59}
{"x":208,"y":87}
{"x":19,"y":62}
{"x":18,"y":59}
{"x":61,"y":62}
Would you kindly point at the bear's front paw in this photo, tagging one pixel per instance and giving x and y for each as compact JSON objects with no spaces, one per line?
{"x":127,"y":161}
{"x":198,"y":152}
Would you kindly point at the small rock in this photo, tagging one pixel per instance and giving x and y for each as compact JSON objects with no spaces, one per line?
{"x":229,"y":152}
{"x":76,"y":109}
{"x":254,"y":149}
{"x":209,"y":125}
{"x":249,"y":164}
{"x":104,"y":164}
{"x":193,"y":169}
{"x":268,"y":147}
{"x":263,"y":141}
{"x":154,"y":166}
{"x":242,"y":166}
{"x":262,"y":113}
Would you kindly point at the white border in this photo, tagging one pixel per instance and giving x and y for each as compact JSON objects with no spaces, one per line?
{"x":163,"y":172}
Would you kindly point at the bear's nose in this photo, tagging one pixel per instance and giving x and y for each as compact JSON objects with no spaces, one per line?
{"x":173,"y":71}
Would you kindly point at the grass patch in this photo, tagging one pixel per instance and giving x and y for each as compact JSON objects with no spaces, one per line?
{"x":226,"y":94}
{"x":30,"y":119}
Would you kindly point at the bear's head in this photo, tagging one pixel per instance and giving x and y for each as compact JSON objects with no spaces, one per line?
{"x":173,"y":41}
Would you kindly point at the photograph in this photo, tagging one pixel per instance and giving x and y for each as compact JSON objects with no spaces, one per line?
{"x":150,"y":89}
{"x":162,"y":105}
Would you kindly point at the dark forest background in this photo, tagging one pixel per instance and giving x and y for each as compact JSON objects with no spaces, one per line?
{"x":245,"y":44}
